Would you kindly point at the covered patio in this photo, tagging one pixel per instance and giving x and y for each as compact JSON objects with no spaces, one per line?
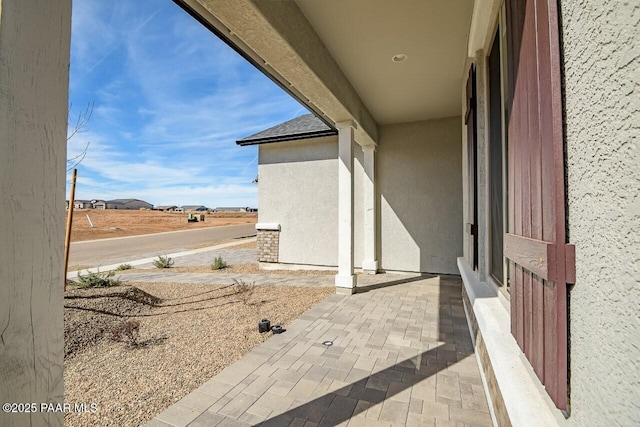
{"x":401,"y":354}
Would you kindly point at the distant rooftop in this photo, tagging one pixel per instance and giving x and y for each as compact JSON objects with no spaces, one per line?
{"x":303,"y":127}
{"x":232,"y":208}
{"x":123,"y":201}
{"x":192,"y":207}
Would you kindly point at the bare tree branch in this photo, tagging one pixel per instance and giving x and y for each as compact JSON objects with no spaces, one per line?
{"x":80,"y":126}
{"x":76,"y":160}
{"x":81,"y":121}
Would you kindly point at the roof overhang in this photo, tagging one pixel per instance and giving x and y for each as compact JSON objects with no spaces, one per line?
{"x":335,"y":56}
{"x":281,"y":138}
{"x":276,"y":37}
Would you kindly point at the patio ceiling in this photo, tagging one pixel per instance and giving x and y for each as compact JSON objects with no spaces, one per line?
{"x":364,"y":35}
{"x":336,"y":56}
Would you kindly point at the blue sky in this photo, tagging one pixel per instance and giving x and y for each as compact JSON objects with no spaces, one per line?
{"x":170,"y":100}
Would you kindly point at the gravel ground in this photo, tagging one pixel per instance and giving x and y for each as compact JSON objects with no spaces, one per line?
{"x":107,"y":223}
{"x":233,"y":268}
{"x":188,"y":333}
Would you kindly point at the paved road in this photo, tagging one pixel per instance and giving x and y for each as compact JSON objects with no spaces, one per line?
{"x":93,"y":253}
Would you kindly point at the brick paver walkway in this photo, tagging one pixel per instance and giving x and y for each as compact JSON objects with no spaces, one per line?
{"x":401,"y":356}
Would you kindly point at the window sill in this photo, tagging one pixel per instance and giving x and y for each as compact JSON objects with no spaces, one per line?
{"x":524,"y":397}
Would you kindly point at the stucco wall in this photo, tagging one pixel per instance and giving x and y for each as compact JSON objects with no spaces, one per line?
{"x":299,"y":190}
{"x":34,"y":61}
{"x":420,"y":196}
{"x":602,"y":99}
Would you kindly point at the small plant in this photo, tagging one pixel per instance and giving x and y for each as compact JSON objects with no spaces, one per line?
{"x":218,"y":263}
{"x":97,"y":280}
{"x":127,"y":332}
{"x":244,"y":290}
{"x":122,"y":267}
{"x":163,"y":262}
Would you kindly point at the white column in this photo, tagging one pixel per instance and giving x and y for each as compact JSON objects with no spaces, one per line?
{"x":369,"y":264}
{"x":345,"y":279}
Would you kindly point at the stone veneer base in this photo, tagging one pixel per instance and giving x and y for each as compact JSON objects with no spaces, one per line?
{"x":268,"y":245}
{"x":496,"y":401}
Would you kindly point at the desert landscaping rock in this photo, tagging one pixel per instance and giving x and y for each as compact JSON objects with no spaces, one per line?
{"x":182,"y":343}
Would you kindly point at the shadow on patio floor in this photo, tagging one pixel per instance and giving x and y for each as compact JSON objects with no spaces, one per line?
{"x":401,"y":355}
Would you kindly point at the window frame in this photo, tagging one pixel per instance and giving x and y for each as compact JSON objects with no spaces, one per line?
{"x":500,"y":32}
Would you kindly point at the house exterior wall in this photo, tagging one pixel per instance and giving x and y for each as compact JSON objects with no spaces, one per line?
{"x":299,"y":190}
{"x":420,"y":196}
{"x":602,"y":100}
{"x":34,"y":64}
{"x":602,"y":179}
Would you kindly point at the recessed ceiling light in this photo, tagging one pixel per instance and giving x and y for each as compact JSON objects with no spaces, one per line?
{"x":399,"y":57}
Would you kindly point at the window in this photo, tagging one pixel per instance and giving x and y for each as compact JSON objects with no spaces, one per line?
{"x":497,"y":158}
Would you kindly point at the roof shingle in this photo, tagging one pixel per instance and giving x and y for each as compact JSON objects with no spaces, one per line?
{"x":303,"y":127}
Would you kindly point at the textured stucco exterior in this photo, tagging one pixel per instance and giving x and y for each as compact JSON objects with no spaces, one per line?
{"x":420,"y":196}
{"x":601,"y":48}
{"x":34,"y":62}
{"x":299,"y":190}
{"x":601,"y":77}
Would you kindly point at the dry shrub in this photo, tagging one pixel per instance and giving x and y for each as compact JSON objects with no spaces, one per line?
{"x":244,"y":290}
{"x":128,"y":332}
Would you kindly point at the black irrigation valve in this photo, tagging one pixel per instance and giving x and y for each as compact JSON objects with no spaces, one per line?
{"x":264,"y":326}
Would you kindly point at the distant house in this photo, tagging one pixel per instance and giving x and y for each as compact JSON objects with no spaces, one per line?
{"x":197,"y":208}
{"x":244,"y":209}
{"x":99,"y":204}
{"x":82,"y":204}
{"x":130,"y":204}
{"x":167,"y":208}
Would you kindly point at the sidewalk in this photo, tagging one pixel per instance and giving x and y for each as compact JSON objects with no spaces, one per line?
{"x":201,"y":256}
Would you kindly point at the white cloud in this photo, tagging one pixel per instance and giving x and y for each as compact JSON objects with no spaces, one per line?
{"x":170,"y":101}
{"x":208,"y":195}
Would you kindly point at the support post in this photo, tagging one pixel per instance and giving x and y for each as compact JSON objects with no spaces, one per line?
{"x":370,"y":263}
{"x":35,"y":39}
{"x":345,"y":279}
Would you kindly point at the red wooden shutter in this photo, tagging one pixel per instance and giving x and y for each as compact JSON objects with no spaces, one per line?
{"x":472,"y":162}
{"x":539,"y":258}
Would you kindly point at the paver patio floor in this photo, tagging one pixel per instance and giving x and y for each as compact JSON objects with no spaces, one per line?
{"x":401,"y":356}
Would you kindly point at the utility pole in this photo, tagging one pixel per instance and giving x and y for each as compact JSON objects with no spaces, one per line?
{"x":67,"y":240}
